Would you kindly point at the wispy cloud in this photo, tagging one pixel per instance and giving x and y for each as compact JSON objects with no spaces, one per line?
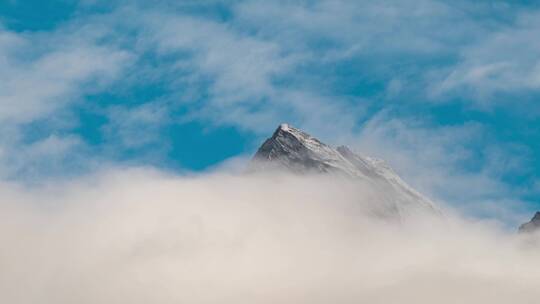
{"x":451,"y":164}
{"x":41,"y":74}
{"x":504,"y":61}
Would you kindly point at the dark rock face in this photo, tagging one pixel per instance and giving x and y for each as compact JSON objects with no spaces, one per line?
{"x":532,"y":226}
{"x":296,"y":151}
{"x":289,"y":151}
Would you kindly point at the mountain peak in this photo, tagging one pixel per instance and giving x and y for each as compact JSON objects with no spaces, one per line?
{"x":285,"y":129}
{"x":296,"y":151}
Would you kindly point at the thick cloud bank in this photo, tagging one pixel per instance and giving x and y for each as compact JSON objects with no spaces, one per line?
{"x":134,"y":236}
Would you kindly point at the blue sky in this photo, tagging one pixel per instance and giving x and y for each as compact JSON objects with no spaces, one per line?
{"x":445,"y":91}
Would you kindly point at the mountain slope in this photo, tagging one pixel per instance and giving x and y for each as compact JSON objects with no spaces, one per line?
{"x":294,"y":150}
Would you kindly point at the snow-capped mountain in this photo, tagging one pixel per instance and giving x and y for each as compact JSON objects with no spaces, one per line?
{"x":533,"y":225}
{"x":299,"y":152}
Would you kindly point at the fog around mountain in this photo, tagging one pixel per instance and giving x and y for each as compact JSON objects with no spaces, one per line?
{"x":144,"y":236}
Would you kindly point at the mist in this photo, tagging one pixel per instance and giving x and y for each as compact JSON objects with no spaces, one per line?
{"x":144,"y":236}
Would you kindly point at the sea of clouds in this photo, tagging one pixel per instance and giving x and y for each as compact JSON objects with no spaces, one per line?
{"x":144,"y":236}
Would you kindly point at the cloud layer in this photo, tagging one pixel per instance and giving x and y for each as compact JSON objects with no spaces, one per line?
{"x":140,"y":236}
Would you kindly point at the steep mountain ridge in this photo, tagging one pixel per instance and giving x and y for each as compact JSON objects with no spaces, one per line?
{"x":297,"y":151}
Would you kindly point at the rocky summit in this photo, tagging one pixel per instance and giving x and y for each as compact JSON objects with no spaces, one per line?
{"x":296,"y":151}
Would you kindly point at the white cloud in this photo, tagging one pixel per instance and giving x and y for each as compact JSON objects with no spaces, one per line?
{"x":40,"y":75}
{"x":240,"y":71}
{"x":444,"y":49}
{"x":438,"y":161}
{"x":137,"y":236}
{"x":506,"y":60}
{"x":355,"y":28}
{"x":37,"y":80}
{"x":250,"y":70}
